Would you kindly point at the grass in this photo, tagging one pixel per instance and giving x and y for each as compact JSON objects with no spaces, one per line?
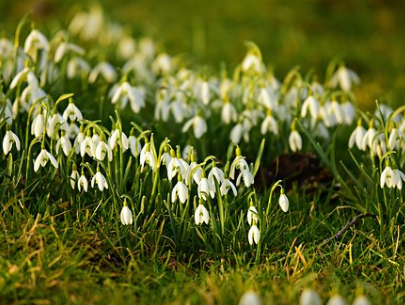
{"x":59,"y":248}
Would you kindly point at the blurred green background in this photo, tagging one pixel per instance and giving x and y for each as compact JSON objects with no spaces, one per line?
{"x":367,"y":35}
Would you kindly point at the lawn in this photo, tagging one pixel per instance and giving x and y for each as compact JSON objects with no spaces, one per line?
{"x":189,"y":152}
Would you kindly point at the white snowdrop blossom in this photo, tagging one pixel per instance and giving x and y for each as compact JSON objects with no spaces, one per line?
{"x":115,"y":138}
{"x":37,"y":126}
{"x":72,"y":112}
{"x":134,"y":145}
{"x":361,"y":300}
{"x":369,"y":138}
{"x":65,"y":47}
{"x":236,"y":133}
{"x":250,"y":298}
{"x":205,"y":189}
{"x":65,"y":144}
{"x":254,"y":234}
{"x":194,"y":172}
{"x":218,"y":174}
{"x":102,"y":150}
{"x":252,"y":62}
{"x":126,"y":215}
{"x":252,"y":215}
{"x":35,"y":41}
{"x":269,"y":124}
{"x":344,"y":77}
{"x":201,"y":215}
{"x":56,"y":123}
{"x":74,"y":177}
{"x":388,"y":178}
{"x":226,"y":186}
{"x":399,"y":177}
{"x":124,"y":93}
{"x":88,"y":147}
{"x":176,"y":166}
{"x":100,"y":180}
{"x":104,"y":69}
{"x":9,"y":139}
{"x":283,"y":201}
{"x":43,"y":158}
{"x":180,"y":191}
{"x":147,"y":157}
{"x":312,"y":105}
{"x":82,"y":183}
{"x":199,"y":126}
{"x":310,"y":297}
{"x":336,"y":300}
{"x":357,"y":137}
{"x":295,"y":141}
{"x":228,"y":113}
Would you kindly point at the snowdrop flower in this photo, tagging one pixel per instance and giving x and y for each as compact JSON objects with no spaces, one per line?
{"x":295,"y":141}
{"x":100,"y":180}
{"x":399,"y":177}
{"x":9,"y":139}
{"x":395,"y":139}
{"x":162,"y":64}
{"x":336,"y":300}
{"x":82,"y":183}
{"x":199,"y":126}
{"x":126,"y":47}
{"x":369,"y":137}
{"x":201,"y":215}
{"x":126,"y":215}
{"x":247,"y":177}
{"x":252,"y":62}
{"x":64,"y":142}
{"x":104,"y":69}
{"x":205,"y":92}
{"x":250,"y":298}
{"x":37,"y":126}
{"x":74,"y":177}
{"x":357,"y":136}
{"x":115,"y":138}
{"x":344,"y":77}
{"x":134,"y":145}
{"x":88,"y":147}
{"x":124,"y":93}
{"x":55,"y":123}
{"x":180,"y":191}
{"x":228,"y":113}
{"x":226,"y":186}
{"x":205,"y":189}
{"x":147,"y":157}
{"x":283,"y":201}
{"x":65,"y":47}
{"x":176,"y":166}
{"x":194,"y":172}
{"x":216,"y":173}
{"x":267,"y":98}
{"x":312,"y":105}
{"x":72,"y":112}
{"x":310,"y":297}
{"x":79,"y":140}
{"x":238,"y":163}
{"x":77,"y":67}
{"x":348,"y":111}
{"x":102,"y":150}
{"x":35,"y":41}
{"x":254,"y":234}
{"x":252,"y":215}
{"x":269,"y":124}
{"x":236,"y":133}
{"x":335,"y":112}
{"x":361,"y":300}
{"x":388,"y":178}
{"x":43,"y":158}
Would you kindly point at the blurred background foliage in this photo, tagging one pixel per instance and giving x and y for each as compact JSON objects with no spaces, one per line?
{"x":367,"y":34}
